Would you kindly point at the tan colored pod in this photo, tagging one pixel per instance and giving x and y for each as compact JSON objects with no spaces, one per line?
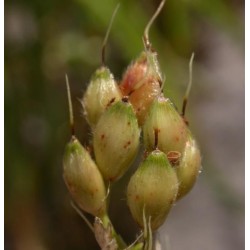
{"x":102,"y":91}
{"x":164,"y":120}
{"x":143,"y":98}
{"x":134,"y":74}
{"x":116,"y":140}
{"x":153,"y":187}
{"x":189,"y":167}
{"x":144,"y":68}
{"x":142,"y":82}
{"x":83,"y":179}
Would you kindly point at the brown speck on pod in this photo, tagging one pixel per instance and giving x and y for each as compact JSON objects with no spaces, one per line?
{"x":110,"y":102}
{"x":174,"y":157}
{"x":125,"y":99}
{"x":127,"y":144}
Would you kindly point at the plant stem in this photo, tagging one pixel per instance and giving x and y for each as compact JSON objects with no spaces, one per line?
{"x":106,"y":223}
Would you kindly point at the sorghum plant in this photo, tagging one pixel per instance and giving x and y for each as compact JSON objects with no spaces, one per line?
{"x":117,"y":114}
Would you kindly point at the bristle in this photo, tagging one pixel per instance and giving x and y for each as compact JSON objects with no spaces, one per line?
{"x":147,"y":44}
{"x":107,"y":34}
{"x":71,"y":115}
{"x":185,"y":99}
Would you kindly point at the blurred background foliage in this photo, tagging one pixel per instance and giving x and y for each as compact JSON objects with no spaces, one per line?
{"x":46,"y":39}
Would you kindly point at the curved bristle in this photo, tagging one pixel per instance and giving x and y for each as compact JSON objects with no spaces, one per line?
{"x":107,"y":33}
{"x":185,"y":99}
{"x":71,"y":116}
{"x":146,"y":31}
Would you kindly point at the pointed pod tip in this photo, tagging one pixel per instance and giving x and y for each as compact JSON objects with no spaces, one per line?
{"x":102,"y":72}
{"x":157,"y":158}
{"x":73,"y":145}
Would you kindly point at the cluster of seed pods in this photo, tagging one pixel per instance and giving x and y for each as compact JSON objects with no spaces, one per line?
{"x":119,"y":115}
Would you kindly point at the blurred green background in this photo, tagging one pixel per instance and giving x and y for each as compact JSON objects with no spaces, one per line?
{"x":46,"y":39}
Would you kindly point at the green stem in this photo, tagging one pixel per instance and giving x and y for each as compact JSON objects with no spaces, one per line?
{"x":106,"y":222}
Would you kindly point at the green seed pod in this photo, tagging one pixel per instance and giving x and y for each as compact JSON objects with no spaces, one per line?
{"x":116,"y":140}
{"x":81,"y":175}
{"x":171,"y":129}
{"x":101,"y":92}
{"x":153,"y":187}
{"x":189,"y":167}
{"x":83,"y":179}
